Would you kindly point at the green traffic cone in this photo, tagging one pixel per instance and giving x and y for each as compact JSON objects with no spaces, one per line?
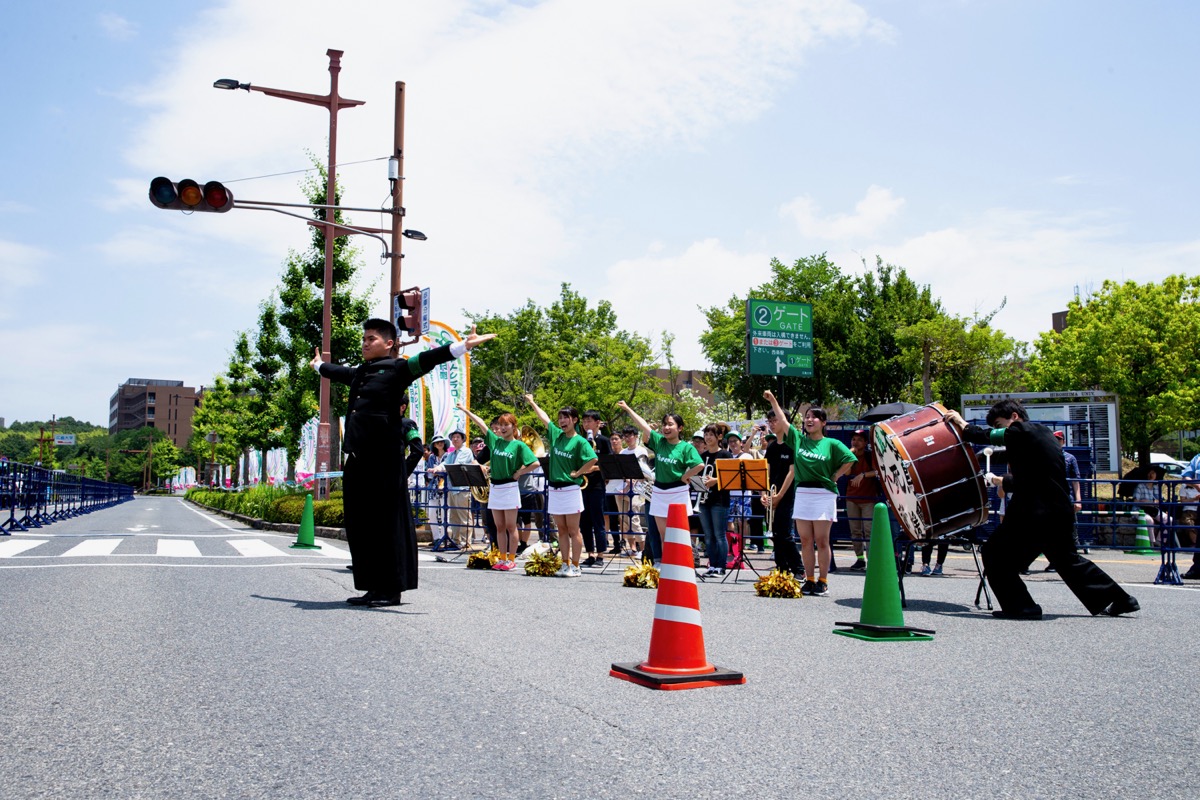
{"x":882,"y":618}
{"x":304,"y":536}
{"x":1142,"y":546}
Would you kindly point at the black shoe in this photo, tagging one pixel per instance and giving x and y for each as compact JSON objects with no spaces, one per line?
{"x":1033,"y":612}
{"x":366,"y":599}
{"x":1049,"y":568}
{"x":350,"y":567}
{"x":1126,"y":605}
{"x":521,"y":547}
{"x":808,"y":587}
{"x":599,"y":562}
{"x":821,"y":589}
{"x":616,"y":549}
{"x":1192,"y":574}
{"x":590,"y":561}
{"x":858,"y":566}
{"x":381,"y":600}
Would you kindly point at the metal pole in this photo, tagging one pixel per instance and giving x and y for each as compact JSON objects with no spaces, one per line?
{"x":323,"y":425}
{"x":397,"y":196}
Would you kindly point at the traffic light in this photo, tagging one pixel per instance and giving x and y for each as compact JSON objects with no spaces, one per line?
{"x":409,"y":319}
{"x":187,"y":195}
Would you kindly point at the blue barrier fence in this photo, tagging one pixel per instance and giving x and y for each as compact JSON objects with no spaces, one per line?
{"x":33,"y":496}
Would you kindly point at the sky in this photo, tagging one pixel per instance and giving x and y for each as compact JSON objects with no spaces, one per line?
{"x":653,"y":153}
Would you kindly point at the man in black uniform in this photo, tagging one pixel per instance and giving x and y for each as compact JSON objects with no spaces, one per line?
{"x":1040,"y":518}
{"x":780,"y":465}
{"x":379,"y":525}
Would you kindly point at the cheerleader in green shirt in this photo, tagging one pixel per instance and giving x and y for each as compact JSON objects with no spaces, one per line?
{"x":511,"y":458}
{"x":819,"y":462}
{"x":675,"y":462}
{"x":571,"y":458}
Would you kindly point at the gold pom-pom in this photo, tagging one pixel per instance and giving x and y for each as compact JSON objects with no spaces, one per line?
{"x":777,"y":584}
{"x":543,"y":563}
{"x":482,"y":560}
{"x":642,"y":576}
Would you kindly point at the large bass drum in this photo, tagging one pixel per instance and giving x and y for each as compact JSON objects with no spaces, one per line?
{"x":930,"y":476}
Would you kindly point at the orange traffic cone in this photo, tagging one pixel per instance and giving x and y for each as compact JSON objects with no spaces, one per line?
{"x":677,"y":659}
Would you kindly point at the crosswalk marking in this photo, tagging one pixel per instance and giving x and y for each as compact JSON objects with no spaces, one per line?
{"x":254,"y":548}
{"x":94,"y":547}
{"x":11,"y":547}
{"x":333,"y":552}
{"x":178,"y":548}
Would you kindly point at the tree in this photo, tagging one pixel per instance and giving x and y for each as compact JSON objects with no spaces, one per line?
{"x":1139,"y":341}
{"x":568,"y":354}
{"x":856,"y":354}
{"x":299,"y":315}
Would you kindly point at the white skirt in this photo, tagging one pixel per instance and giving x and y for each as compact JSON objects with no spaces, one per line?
{"x":662,"y":500}
{"x":815,"y":504}
{"x":565,"y":500}
{"x":504,"y":497}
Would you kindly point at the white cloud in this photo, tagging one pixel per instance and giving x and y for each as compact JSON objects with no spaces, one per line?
{"x":1034,"y":260}
{"x":512,"y":114}
{"x":658,"y":292}
{"x":19,"y":264}
{"x":116,"y":27}
{"x":878,"y":207}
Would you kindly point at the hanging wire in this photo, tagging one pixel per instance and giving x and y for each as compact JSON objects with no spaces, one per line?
{"x":310,"y":169}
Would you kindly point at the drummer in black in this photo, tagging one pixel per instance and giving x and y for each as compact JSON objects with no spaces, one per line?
{"x":1040,"y":518}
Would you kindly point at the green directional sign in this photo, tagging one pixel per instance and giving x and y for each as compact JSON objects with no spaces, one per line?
{"x":779,"y":338}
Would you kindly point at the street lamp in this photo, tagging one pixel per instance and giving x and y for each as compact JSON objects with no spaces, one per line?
{"x":334,"y":103}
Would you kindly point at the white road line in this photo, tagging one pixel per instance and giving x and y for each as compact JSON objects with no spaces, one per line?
{"x":200,"y":513}
{"x":255,"y":548}
{"x":94,"y":547}
{"x":333,"y":552}
{"x":178,"y":548}
{"x":11,"y":547}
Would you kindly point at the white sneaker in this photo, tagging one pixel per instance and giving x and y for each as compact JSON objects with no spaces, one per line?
{"x":564,"y":571}
{"x":576,"y":572}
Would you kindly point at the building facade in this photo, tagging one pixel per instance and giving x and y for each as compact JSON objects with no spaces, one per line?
{"x":149,"y":402}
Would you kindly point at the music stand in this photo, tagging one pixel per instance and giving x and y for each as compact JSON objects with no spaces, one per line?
{"x":618,"y":467}
{"x":746,"y":475}
{"x":463,"y":476}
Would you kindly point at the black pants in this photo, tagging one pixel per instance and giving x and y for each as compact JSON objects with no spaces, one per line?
{"x":591,"y":521}
{"x":1017,"y":542}
{"x":787,"y":556}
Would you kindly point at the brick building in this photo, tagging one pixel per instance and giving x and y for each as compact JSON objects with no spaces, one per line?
{"x":146,"y":402}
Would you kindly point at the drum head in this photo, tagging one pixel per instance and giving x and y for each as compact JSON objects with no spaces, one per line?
{"x":902,"y":495}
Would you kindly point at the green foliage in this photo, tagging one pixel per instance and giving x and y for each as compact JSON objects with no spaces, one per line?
{"x":271,"y":504}
{"x":568,"y":354}
{"x":857,"y":355}
{"x":1139,"y":341}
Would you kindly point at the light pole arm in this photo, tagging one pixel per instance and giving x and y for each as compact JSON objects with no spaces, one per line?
{"x":305,"y":97}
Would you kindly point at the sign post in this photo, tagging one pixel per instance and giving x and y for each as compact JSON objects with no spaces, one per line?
{"x":779,"y":338}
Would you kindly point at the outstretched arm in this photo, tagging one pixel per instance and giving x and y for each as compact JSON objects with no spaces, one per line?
{"x":637,"y":420}
{"x":483,"y":426}
{"x":542,"y":415}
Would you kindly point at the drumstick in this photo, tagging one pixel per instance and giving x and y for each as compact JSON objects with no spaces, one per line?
{"x":987,"y":454}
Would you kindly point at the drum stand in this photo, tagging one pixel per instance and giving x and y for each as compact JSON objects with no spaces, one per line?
{"x":967,"y":543}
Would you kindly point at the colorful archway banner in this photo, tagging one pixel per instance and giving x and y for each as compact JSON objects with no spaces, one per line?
{"x":449,"y":384}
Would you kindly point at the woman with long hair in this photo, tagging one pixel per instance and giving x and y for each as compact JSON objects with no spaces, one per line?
{"x":820,"y":461}
{"x":510,"y":459}
{"x":571,"y":458}
{"x":675,"y":462}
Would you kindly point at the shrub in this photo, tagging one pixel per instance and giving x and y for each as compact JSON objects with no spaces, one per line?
{"x":328,"y":513}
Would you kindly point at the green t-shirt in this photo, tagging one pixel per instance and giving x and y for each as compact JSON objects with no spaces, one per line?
{"x":817,"y":462}
{"x":672,"y":460}
{"x":507,"y":457}
{"x":567,"y":453}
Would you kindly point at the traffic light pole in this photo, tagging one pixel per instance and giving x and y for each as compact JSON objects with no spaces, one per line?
{"x":397,"y":198}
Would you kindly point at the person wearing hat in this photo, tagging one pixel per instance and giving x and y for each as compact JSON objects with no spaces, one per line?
{"x":435,"y":492}
{"x":458,"y":498}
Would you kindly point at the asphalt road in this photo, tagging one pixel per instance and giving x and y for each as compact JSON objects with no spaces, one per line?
{"x":219,"y":670}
